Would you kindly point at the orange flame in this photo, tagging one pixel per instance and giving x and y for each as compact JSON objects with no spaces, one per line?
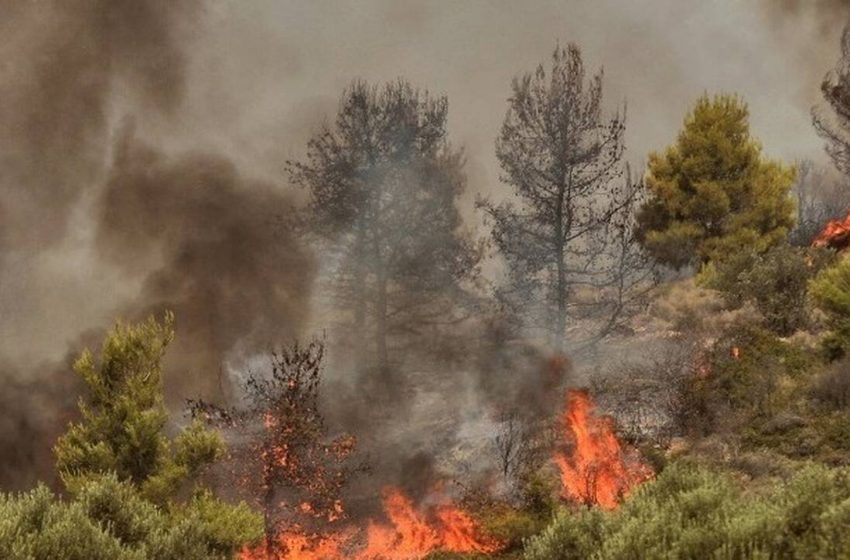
{"x":409,"y":534}
{"x":599,"y":470}
{"x":836,"y":234}
{"x":298,"y":545}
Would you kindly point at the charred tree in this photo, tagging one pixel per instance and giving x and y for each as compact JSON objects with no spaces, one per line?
{"x":571,"y":231}
{"x":384,"y":182}
{"x":834,"y":125}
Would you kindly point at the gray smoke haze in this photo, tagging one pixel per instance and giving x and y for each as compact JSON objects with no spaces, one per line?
{"x":100,"y":218}
{"x":227,"y":266}
{"x":98,"y":224}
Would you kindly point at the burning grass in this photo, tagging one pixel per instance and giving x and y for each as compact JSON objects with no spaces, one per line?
{"x":409,"y":532}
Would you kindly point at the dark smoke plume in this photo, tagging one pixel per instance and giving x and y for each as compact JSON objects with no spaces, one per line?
{"x":197,"y":237}
{"x":64,"y":63}
{"x":222,"y":257}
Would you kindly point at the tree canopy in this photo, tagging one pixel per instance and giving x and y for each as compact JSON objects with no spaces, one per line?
{"x":122,"y":429}
{"x":713,"y":192}
{"x":384,"y":182}
{"x":571,"y":227}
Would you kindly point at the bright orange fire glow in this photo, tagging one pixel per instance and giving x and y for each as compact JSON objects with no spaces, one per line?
{"x":836,"y":234}
{"x":599,"y":470}
{"x":408,"y":534}
{"x":298,"y":545}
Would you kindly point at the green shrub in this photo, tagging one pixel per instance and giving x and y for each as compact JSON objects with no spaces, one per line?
{"x":110,"y":520}
{"x":749,"y":374}
{"x":774,"y":281}
{"x":830,"y":291}
{"x":691,"y":512}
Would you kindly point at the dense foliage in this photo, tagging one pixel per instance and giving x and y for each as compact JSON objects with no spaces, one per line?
{"x":109,"y":520}
{"x":127,"y":480}
{"x":831,"y":293}
{"x":712,"y":193}
{"x":122,"y":430}
{"x":695,"y":513}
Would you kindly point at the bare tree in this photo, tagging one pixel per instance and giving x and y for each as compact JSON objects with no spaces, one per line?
{"x":512,"y":445}
{"x":834,"y":126}
{"x":568,"y":244}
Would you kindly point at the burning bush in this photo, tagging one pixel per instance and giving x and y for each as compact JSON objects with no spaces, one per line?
{"x":283,"y":454}
{"x":410,"y":532}
{"x":599,"y":470}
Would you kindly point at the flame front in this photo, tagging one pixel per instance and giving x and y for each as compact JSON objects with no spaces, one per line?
{"x":408,"y":534}
{"x":599,"y":471}
{"x":836,"y":234}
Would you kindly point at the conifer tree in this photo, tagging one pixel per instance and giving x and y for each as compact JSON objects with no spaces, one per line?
{"x":571,"y":227}
{"x":713,"y":193}
{"x":122,"y":429}
{"x":384,"y":183}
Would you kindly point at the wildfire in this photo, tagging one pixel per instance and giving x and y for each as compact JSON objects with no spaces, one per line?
{"x":408,"y":534}
{"x":836,"y":234}
{"x":599,"y":471}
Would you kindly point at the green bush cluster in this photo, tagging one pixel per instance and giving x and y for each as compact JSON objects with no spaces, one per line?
{"x":110,"y":520}
{"x":830,"y":291}
{"x":691,"y":512}
{"x":124,"y":476}
{"x":775,"y":282}
{"x":748,"y":375}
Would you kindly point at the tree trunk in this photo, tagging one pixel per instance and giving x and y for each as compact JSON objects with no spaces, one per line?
{"x":561,"y":281}
{"x":381,"y":319}
{"x":360,"y":298}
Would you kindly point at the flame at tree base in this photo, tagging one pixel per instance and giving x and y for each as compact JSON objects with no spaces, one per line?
{"x":599,"y":471}
{"x":409,"y":535}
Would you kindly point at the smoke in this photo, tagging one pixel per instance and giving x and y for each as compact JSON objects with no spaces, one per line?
{"x":97,"y":224}
{"x":63,"y":63}
{"x":227,"y":265}
{"x":102,"y":218}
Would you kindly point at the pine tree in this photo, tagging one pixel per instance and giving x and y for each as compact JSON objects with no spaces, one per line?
{"x":712,"y":193}
{"x":122,"y":430}
{"x":123,"y":474}
{"x":571,"y":229}
{"x":384,"y":183}
{"x":834,"y":125}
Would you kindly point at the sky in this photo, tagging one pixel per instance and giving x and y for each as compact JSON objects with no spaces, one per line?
{"x":270,"y":71}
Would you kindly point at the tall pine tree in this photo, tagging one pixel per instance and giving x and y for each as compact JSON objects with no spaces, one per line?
{"x":384,"y":183}
{"x":571,"y":228}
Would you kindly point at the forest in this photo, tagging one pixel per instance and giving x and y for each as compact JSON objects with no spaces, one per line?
{"x":365,"y":356}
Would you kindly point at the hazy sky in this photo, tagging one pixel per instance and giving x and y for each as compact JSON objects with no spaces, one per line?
{"x":261,"y":75}
{"x":269,"y":70}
